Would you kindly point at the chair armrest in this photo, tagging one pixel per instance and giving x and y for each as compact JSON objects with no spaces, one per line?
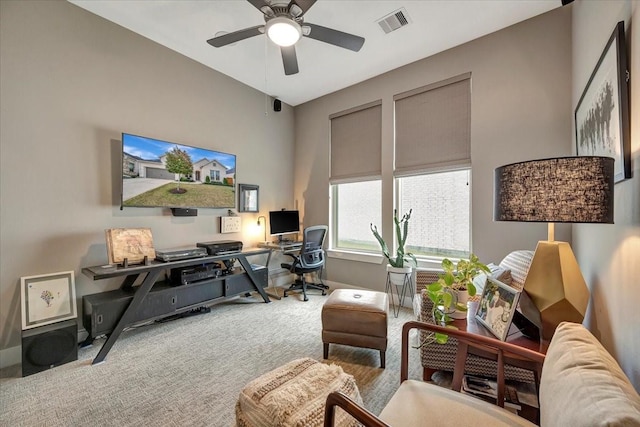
{"x":361,"y":414}
{"x":465,"y":341}
{"x":294,"y":261}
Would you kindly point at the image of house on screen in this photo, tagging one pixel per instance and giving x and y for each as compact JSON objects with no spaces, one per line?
{"x":135,"y":167}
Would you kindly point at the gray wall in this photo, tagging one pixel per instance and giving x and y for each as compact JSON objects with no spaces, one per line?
{"x":609,"y":255}
{"x":71,"y":82}
{"x":520,"y":110}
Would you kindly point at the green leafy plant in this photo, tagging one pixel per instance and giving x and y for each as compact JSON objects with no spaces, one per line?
{"x":455,"y":277}
{"x":401,"y":228}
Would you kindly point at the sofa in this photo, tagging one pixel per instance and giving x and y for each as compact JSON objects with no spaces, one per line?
{"x":581,"y":385}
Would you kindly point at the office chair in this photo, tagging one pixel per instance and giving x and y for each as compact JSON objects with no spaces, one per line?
{"x":309,"y":260}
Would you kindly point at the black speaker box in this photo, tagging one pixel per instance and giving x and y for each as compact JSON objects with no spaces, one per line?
{"x":184,"y":212}
{"x":49,"y":346}
{"x":277,"y":105}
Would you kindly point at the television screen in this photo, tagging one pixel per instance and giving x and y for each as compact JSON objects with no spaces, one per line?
{"x":159,"y":173}
{"x":284,"y":222}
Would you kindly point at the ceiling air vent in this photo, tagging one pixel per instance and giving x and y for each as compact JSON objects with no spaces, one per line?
{"x":394,"y":20}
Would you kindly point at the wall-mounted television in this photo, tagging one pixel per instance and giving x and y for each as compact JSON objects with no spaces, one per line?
{"x":284,"y":222}
{"x":158,"y":173}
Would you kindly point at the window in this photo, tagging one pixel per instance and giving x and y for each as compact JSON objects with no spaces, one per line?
{"x":433,"y":166}
{"x":355,"y":206}
{"x":356,"y":189}
{"x":215,"y":175}
{"x":440,"y":222}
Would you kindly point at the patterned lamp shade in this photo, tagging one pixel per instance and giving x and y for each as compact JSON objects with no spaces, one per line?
{"x":564,"y":189}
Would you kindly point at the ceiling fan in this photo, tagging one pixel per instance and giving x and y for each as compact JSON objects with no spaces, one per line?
{"x":284,"y":25}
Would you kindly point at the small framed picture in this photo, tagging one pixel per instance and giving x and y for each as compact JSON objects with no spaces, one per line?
{"x":248,"y":197}
{"x":47,"y":298}
{"x":497,"y":305}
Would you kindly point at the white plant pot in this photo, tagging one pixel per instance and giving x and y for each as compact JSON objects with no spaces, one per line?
{"x":462,"y":297}
{"x":397,"y":274}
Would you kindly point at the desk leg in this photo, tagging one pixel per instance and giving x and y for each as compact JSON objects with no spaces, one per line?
{"x":247,"y":268}
{"x":266,"y":264}
{"x":128,"y":314}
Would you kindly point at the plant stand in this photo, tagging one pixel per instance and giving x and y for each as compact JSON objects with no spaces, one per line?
{"x":402,"y":283}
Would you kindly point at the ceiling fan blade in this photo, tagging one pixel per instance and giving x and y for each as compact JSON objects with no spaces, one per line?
{"x":259,"y":4}
{"x":302,"y":4}
{"x":236,"y":36}
{"x":335,"y":37}
{"x":289,"y":60}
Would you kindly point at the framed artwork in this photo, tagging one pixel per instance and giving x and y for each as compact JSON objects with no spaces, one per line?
{"x":47,"y":298}
{"x":602,"y":114}
{"x":130,"y":244}
{"x":248,"y":195}
{"x":497,"y":305}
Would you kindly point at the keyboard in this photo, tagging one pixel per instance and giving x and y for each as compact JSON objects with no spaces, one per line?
{"x":289,"y":244}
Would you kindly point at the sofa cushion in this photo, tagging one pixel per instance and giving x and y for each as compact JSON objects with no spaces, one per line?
{"x":434,"y":405}
{"x":582,"y":384}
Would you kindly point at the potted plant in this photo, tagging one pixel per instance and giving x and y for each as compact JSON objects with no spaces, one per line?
{"x":396,"y":265}
{"x":453,"y":288}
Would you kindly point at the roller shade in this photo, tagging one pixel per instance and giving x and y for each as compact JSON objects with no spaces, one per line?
{"x":356,"y":139}
{"x":433,"y":127}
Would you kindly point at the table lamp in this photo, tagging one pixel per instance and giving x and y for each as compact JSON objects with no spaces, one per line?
{"x":564,"y":189}
{"x":264,"y":224}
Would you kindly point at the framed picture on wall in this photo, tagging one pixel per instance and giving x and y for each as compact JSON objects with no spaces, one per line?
{"x":47,"y":298}
{"x":497,"y":305}
{"x":248,"y":195}
{"x":602,"y":114}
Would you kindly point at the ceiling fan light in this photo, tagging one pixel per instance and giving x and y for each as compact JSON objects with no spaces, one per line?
{"x":283,"y":31}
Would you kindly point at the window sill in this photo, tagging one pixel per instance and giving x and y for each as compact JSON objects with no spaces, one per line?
{"x":435,"y":263}
{"x":355,"y":256}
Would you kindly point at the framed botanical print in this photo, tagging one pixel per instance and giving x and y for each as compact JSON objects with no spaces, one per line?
{"x":47,"y":298}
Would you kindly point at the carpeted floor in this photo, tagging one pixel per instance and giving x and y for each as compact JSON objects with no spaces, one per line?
{"x":190,"y":371}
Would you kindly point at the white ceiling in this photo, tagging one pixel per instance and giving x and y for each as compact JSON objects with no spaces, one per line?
{"x":436,"y":25}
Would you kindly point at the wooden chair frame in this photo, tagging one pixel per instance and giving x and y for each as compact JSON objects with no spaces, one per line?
{"x":499,"y":349}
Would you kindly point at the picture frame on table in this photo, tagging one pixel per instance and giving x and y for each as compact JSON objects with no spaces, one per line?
{"x":47,"y":298}
{"x":602,"y":114}
{"x":497,"y":305}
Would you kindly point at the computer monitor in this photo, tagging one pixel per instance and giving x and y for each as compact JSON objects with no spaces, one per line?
{"x":284,"y":222}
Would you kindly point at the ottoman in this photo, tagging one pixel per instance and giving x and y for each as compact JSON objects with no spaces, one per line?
{"x":295,"y":395}
{"x":357,"y":318}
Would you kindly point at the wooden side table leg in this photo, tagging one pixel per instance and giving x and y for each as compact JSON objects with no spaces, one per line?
{"x":427,"y":373}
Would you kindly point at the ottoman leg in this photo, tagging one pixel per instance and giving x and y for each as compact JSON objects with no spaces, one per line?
{"x":325,"y":350}
{"x":382,"y":359}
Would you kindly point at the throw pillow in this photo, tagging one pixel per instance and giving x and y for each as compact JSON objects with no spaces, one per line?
{"x":500,"y":274}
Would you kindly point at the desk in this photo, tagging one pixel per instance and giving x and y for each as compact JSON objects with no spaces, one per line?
{"x":152,"y":273}
{"x":289,"y":247}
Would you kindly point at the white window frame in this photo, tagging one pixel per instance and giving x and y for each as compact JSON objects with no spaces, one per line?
{"x":429,"y":261}
{"x":361,"y":255}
